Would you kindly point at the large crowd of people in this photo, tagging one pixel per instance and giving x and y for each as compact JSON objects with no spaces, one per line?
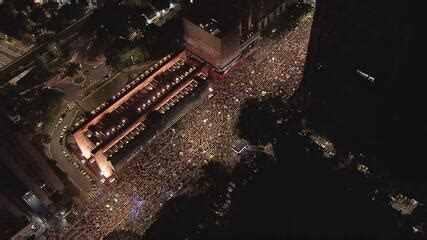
{"x":164,"y":165}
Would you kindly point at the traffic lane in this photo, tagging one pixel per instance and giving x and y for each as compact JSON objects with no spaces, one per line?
{"x":57,"y":152}
{"x":57,"y":149}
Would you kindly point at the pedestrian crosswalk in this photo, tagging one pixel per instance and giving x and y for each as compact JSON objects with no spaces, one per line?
{"x":94,"y":193}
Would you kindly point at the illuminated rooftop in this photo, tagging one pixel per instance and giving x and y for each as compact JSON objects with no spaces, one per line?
{"x":121,"y":118}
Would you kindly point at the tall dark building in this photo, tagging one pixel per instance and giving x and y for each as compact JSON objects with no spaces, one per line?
{"x":14,"y":215}
{"x":27,"y":180}
{"x":211,"y":33}
{"x":363,"y":84}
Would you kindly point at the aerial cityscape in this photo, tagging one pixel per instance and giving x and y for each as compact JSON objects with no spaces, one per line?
{"x":212,"y":119}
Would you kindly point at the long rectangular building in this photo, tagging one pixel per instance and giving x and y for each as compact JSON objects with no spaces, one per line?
{"x":123,"y":117}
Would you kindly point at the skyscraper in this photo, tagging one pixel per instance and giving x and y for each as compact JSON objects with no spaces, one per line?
{"x":26,"y":176}
{"x":363,"y":83}
{"x":14,"y":214}
{"x":212,"y":33}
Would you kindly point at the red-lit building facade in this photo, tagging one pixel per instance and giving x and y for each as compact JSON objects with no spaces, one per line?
{"x":122,"y":118}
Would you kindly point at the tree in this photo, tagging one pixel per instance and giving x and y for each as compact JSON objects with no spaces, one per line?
{"x":21,"y":4}
{"x":37,"y":15}
{"x":72,"y":69}
{"x":216,"y":175}
{"x":42,"y":66}
{"x":260,"y":121}
{"x":51,"y":6}
{"x":7,"y":18}
{"x":161,"y":4}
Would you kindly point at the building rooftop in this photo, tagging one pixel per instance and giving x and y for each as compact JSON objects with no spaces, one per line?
{"x":121,"y":118}
{"x":217,"y":18}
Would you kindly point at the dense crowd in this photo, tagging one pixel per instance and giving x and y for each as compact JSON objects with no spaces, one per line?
{"x":207,"y":132}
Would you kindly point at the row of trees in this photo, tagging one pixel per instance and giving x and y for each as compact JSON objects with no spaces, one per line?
{"x":110,"y":29}
{"x":35,"y":108}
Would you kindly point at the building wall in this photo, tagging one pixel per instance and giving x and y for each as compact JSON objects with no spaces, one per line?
{"x":218,"y":52}
{"x":202,"y":43}
{"x":363,"y":82}
{"x":26,"y":164}
{"x":12,"y":218}
{"x":230,"y":47}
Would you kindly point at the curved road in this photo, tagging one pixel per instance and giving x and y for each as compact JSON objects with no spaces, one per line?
{"x":55,"y":149}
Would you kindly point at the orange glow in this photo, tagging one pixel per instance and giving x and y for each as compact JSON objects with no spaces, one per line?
{"x":104,"y":165}
{"x":86,"y":146}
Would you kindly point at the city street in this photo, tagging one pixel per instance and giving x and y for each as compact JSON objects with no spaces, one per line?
{"x":56,"y":152}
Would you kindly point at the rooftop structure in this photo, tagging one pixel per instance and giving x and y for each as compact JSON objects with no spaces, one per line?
{"x":122,"y":118}
{"x":239,"y":146}
{"x":211,"y":24}
{"x":403,"y":204}
{"x":212,"y":41}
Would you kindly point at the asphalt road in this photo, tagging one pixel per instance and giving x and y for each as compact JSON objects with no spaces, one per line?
{"x":56,"y":149}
